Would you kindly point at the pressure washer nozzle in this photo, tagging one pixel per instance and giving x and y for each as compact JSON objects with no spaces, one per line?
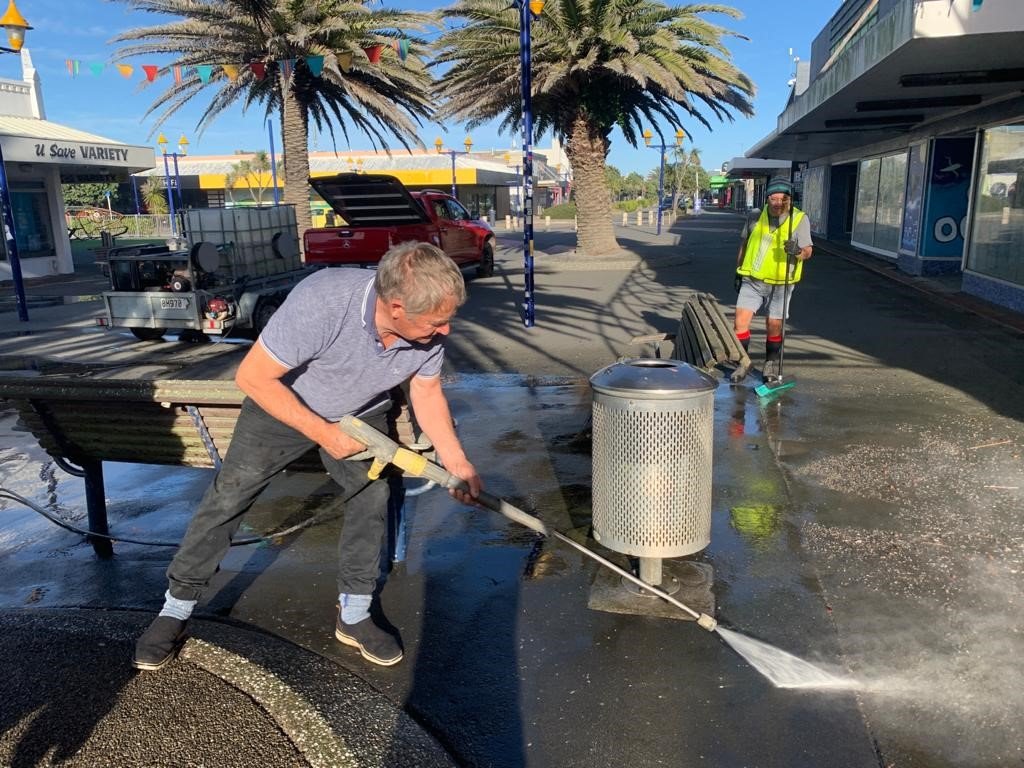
{"x":707,"y":622}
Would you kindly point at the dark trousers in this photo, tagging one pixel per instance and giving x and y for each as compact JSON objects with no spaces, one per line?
{"x":262,"y":446}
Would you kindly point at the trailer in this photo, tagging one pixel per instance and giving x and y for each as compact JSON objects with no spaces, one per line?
{"x":230,"y":272}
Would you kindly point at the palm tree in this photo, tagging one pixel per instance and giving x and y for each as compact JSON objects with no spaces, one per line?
{"x":389,"y":98}
{"x":154,"y":195}
{"x":597,"y":64}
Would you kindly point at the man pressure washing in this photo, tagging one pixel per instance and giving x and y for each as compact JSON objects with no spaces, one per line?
{"x":773,"y":248}
{"x":342,"y":340}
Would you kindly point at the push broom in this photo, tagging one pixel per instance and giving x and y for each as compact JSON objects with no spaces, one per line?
{"x":779,"y":384}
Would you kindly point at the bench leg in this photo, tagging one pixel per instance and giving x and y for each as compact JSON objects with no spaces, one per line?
{"x":96,"y":504}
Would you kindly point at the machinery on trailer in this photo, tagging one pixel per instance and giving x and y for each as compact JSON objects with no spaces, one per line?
{"x":230,"y":272}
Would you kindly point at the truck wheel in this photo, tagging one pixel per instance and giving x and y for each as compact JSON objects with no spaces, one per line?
{"x":486,"y":267}
{"x":148,"y":334}
{"x":265,"y":310}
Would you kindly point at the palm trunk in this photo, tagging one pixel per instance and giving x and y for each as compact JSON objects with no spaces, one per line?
{"x":587,"y":151}
{"x":295,"y":137}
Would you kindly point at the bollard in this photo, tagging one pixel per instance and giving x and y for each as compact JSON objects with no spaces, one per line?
{"x":547,"y":223}
{"x":639,"y":217}
{"x":575,"y":223}
{"x":508,"y":223}
{"x":625,"y":218}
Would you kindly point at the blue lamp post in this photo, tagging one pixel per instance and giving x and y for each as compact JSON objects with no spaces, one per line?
{"x":439,"y":146}
{"x":527,"y":11}
{"x":14,"y":23}
{"x":162,"y":141}
{"x":273,"y":164}
{"x":661,"y":170}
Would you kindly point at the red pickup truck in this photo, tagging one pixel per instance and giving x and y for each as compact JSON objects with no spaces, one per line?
{"x":380,"y":212}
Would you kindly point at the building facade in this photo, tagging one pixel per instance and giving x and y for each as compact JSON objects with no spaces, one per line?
{"x":39,"y":156}
{"x":908,"y":138}
{"x":484,"y":181}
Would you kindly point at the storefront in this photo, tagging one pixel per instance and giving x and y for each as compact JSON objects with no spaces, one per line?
{"x":39,"y":156}
{"x":912,"y":128}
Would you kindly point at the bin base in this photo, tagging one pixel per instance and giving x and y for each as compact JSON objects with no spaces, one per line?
{"x":612,"y":594}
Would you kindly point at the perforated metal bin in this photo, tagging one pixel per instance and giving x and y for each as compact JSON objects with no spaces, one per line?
{"x":652,"y":440}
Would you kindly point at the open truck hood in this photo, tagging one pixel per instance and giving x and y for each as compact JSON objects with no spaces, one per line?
{"x":369,"y":199}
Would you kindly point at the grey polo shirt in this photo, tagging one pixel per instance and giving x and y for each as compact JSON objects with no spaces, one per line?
{"x":325,"y":335}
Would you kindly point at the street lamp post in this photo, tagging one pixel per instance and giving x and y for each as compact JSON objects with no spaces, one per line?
{"x":183,"y":146}
{"x":162,"y":141}
{"x":439,"y":146}
{"x":661,"y":171}
{"x":273,"y":163}
{"x":528,"y":10}
{"x":15,"y":25}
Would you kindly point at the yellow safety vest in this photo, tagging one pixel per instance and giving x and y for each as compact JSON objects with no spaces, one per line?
{"x":765,"y":255}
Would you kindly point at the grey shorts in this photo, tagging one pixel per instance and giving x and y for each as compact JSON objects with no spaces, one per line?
{"x":755,"y":295}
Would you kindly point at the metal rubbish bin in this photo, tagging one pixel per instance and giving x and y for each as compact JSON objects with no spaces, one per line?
{"x":652,"y":440}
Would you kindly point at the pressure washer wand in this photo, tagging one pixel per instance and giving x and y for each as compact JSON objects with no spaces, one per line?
{"x":386,"y":451}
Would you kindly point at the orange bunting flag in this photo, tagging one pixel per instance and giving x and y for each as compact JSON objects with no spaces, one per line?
{"x":176,"y":69}
{"x":230,"y":70}
{"x":373,"y":53}
{"x":125,"y":70}
{"x":150,"y":70}
{"x":72,"y":66}
{"x":345,"y":62}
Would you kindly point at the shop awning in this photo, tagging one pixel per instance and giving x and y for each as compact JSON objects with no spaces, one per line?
{"x":79,"y":154}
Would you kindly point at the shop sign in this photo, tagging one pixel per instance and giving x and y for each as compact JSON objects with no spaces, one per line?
{"x":25,"y":149}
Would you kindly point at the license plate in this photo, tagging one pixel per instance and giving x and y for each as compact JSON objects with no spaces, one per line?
{"x":173,"y":303}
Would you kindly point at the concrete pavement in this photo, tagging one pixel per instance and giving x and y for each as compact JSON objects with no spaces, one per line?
{"x":886,"y":543}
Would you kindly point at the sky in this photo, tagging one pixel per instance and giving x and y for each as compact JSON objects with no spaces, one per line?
{"x":112,"y":106}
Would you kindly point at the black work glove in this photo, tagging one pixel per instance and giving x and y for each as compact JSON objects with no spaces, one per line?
{"x":737,"y":283}
{"x":792,"y":248}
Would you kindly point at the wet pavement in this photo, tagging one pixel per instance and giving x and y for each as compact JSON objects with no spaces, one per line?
{"x":866,"y":520}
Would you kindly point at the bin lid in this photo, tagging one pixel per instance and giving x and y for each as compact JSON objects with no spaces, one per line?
{"x":651,"y":377}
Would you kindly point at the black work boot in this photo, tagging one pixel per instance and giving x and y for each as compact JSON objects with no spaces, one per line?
{"x":160,"y":643}
{"x":772,"y":370}
{"x":373,"y":643}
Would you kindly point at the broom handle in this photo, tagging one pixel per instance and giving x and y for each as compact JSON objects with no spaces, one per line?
{"x":785,"y":293}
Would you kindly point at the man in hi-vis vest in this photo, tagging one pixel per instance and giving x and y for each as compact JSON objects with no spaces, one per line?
{"x":768,"y":266}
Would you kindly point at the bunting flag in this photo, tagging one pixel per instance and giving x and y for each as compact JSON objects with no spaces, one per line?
{"x":315,"y":64}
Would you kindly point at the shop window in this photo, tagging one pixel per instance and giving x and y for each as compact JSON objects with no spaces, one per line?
{"x":878,"y":218}
{"x":997,"y":236}
{"x":31,"y":211}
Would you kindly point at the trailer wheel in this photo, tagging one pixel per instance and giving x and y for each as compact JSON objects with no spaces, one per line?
{"x":486,"y":266}
{"x":148,"y":334}
{"x":265,"y":309}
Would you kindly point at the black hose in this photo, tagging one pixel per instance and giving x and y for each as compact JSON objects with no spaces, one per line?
{"x":6,"y":494}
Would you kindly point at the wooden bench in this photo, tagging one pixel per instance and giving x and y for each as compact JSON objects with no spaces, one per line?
{"x":82,"y":421}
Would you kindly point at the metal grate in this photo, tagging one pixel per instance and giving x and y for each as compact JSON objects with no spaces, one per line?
{"x":652,"y":474}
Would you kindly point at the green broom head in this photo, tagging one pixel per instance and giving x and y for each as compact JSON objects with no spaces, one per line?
{"x":774,"y":387}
